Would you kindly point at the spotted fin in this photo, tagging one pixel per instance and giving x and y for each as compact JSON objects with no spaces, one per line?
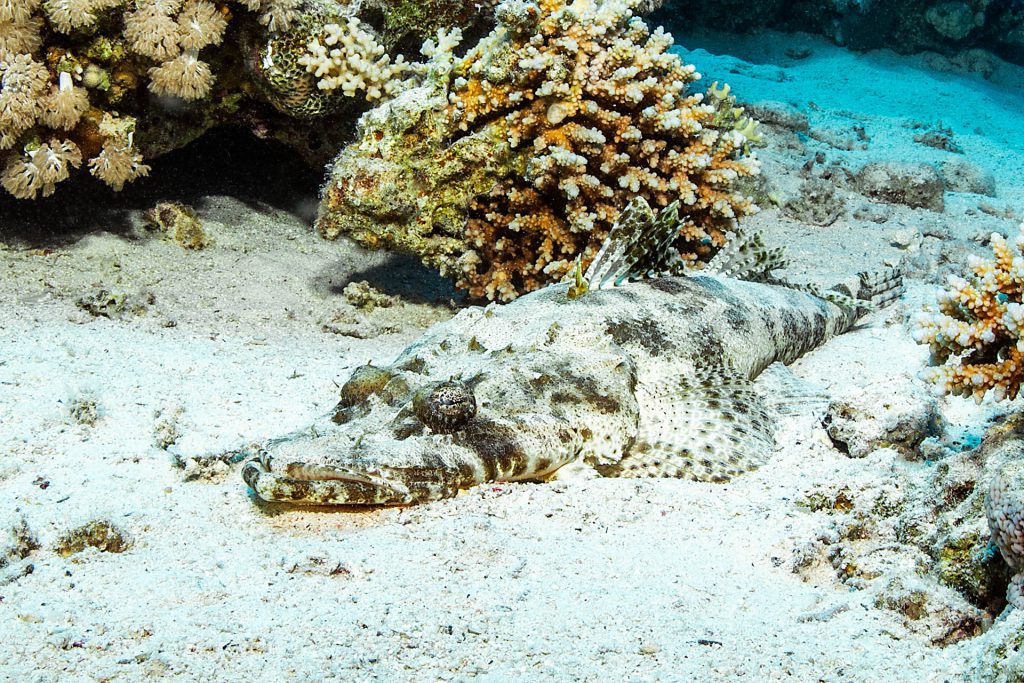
{"x":709,"y":425}
{"x":865,"y":292}
{"x":746,"y":257}
{"x":638,"y":245}
{"x":787,"y":395}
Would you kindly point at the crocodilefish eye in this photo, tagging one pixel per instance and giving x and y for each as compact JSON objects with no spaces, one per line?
{"x":444,"y":407}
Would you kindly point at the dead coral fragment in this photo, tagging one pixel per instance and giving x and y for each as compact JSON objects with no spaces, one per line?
{"x":118,"y":164}
{"x":975,"y":336}
{"x":41,"y":169}
{"x":179,"y":223}
{"x":100,"y":534}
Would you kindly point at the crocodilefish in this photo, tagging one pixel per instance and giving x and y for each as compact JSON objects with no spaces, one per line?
{"x":636,"y":368}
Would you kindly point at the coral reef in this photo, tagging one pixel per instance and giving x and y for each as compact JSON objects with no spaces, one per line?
{"x":101,"y":84}
{"x":975,"y":334}
{"x":880,"y":538}
{"x":413,"y":21}
{"x":506,"y":164}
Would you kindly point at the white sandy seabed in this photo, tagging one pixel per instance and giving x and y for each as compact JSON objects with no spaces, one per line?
{"x":591,"y":580}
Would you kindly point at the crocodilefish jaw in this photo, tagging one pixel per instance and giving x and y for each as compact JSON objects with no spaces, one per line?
{"x":307,"y":484}
{"x":383,"y":471}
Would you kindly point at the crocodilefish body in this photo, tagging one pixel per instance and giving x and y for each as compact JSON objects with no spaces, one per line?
{"x":655,"y":376}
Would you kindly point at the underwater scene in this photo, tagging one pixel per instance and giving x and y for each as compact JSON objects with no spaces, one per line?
{"x":531,"y":340}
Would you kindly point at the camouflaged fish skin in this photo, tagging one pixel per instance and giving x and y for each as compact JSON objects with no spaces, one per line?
{"x":653,"y":378}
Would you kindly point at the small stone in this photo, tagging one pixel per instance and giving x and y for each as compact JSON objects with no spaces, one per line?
{"x":907,"y":238}
{"x":178,"y":223}
{"x":960,"y":175}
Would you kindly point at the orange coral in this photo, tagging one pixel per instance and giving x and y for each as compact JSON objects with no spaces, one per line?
{"x":601,"y":108}
{"x":976,"y":335}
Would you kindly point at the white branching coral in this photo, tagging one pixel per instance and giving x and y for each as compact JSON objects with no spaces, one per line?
{"x":348,"y":57}
{"x":23,"y":83}
{"x":186,"y":76}
{"x":976,"y":334}
{"x":118,"y":164}
{"x":40,"y":169}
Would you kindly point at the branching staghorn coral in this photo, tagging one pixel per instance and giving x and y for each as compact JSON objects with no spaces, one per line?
{"x":975,"y":334}
{"x":545,"y":130}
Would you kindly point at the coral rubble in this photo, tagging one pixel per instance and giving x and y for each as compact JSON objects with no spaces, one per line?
{"x":506,"y":164}
{"x":975,"y":334}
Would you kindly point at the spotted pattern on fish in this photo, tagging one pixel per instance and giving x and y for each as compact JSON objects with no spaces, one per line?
{"x":653,"y":378}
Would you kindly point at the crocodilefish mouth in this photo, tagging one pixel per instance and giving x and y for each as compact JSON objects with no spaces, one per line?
{"x":317,"y":484}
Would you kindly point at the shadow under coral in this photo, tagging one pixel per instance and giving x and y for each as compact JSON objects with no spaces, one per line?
{"x":225,"y":161}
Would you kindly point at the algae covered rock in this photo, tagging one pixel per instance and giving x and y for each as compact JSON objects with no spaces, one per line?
{"x":100,"y":534}
{"x":178,"y":223}
{"x":404,"y":185}
{"x":915,"y":185}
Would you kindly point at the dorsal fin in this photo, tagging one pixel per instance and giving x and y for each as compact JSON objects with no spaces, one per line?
{"x":746,"y":257}
{"x":641,"y":245}
{"x":633,"y":235}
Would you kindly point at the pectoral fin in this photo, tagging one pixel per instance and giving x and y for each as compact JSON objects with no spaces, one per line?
{"x":709,"y":425}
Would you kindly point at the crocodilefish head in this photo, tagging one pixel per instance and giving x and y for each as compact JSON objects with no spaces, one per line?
{"x":410,"y":434}
{"x":388,"y":441}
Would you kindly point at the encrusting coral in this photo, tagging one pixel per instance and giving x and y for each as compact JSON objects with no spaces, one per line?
{"x":508,"y":163}
{"x":975,"y":334}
